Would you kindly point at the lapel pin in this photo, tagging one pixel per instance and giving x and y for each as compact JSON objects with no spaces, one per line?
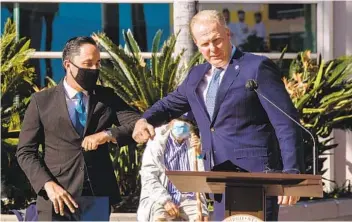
{"x":236,"y":66}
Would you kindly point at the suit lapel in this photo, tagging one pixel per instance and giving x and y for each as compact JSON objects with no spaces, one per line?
{"x":199,"y":97}
{"x":63,"y":109}
{"x":92,"y":102}
{"x":230,"y":75}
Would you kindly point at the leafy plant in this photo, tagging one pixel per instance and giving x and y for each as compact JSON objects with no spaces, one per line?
{"x":15,"y":91}
{"x":322,"y":93}
{"x":138,"y":83}
{"x":343,"y":191}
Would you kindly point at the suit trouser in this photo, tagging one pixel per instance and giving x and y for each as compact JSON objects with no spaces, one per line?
{"x":271,"y":211}
{"x":52,"y":216}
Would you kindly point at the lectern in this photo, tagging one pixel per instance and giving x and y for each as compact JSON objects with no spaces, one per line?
{"x":245,"y":192}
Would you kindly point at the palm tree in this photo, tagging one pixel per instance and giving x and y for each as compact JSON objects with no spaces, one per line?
{"x":15,"y":91}
{"x":322,"y":93}
{"x":140,"y":84}
{"x":183,"y":13}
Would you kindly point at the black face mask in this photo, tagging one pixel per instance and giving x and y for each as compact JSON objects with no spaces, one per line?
{"x":86,"y":78}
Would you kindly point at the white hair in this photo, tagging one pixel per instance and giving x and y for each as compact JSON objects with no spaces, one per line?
{"x":207,"y":16}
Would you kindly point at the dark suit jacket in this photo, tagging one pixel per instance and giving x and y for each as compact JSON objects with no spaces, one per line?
{"x":47,"y":122}
{"x":244,"y":128}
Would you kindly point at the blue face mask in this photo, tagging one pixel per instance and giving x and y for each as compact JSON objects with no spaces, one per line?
{"x":180,"y":130}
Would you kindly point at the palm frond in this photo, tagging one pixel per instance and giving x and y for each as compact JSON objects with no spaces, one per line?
{"x":14,"y":57}
{"x":322,"y":93}
{"x":138,"y":84}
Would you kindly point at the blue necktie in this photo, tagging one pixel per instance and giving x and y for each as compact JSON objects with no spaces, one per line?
{"x":80,"y":111}
{"x":212,"y":91}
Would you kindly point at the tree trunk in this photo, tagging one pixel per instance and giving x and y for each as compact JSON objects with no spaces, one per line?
{"x":183,"y":13}
{"x":139,"y":27}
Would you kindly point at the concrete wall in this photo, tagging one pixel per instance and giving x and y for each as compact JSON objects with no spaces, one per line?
{"x":339,"y":163}
{"x":342,"y":40}
{"x":327,"y":210}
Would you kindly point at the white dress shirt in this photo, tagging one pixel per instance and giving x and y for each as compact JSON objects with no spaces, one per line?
{"x":241,"y":33}
{"x":204,"y":84}
{"x":72,"y":101}
{"x":259,"y":30}
{"x":232,"y":27}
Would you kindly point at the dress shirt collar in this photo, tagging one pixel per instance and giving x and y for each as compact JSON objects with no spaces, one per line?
{"x":71,"y":92}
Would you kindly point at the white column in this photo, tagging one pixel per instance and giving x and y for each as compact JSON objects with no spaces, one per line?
{"x":342,"y":46}
{"x":325,"y":29}
{"x":184,"y":10}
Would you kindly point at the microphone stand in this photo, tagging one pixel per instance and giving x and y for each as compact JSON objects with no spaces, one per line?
{"x":314,"y":147}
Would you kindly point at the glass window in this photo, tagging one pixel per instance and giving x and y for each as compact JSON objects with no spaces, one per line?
{"x":50,"y":25}
{"x":258,"y":27}
{"x":6,"y":11}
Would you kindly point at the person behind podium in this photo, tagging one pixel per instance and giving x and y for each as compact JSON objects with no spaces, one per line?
{"x":237,"y":126}
{"x":171,"y":149}
{"x":71,"y":122}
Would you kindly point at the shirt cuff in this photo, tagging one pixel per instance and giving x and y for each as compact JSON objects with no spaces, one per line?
{"x":108,"y":132}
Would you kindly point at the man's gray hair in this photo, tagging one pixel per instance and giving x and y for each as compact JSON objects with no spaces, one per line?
{"x":206,"y":16}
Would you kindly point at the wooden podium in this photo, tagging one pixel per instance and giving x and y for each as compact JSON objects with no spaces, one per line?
{"x":245,"y":192}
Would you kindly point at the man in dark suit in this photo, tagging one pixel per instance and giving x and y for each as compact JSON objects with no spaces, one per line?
{"x":72,"y":121}
{"x":237,"y":127}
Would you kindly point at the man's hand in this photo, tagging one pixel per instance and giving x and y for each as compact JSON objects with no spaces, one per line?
{"x":203,"y":218}
{"x":171,"y":209}
{"x":143,"y":131}
{"x":287,"y":200}
{"x":195,"y":142}
{"x":92,"y":142}
{"x":59,"y":197}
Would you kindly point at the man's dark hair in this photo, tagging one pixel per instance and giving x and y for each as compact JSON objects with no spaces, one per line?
{"x":72,"y":46}
{"x":226,"y":10}
{"x":240,"y":12}
{"x":258,"y":14}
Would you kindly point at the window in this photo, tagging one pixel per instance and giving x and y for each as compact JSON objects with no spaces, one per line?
{"x":259,"y":27}
{"x":50,"y":25}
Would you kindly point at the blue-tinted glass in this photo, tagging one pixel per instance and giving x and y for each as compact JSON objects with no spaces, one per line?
{"x":125,"y":20}
{"x":75,"y":19}
{"x":158,"y":17}
{"x":50,"y":25}
{"x":6,"y":10}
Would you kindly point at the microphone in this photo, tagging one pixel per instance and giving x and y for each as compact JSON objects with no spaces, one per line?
{"x":252,"y":85}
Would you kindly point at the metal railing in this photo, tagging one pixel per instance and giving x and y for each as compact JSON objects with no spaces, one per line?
{"x":148,"y":55}
{"x":164,"y":1}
